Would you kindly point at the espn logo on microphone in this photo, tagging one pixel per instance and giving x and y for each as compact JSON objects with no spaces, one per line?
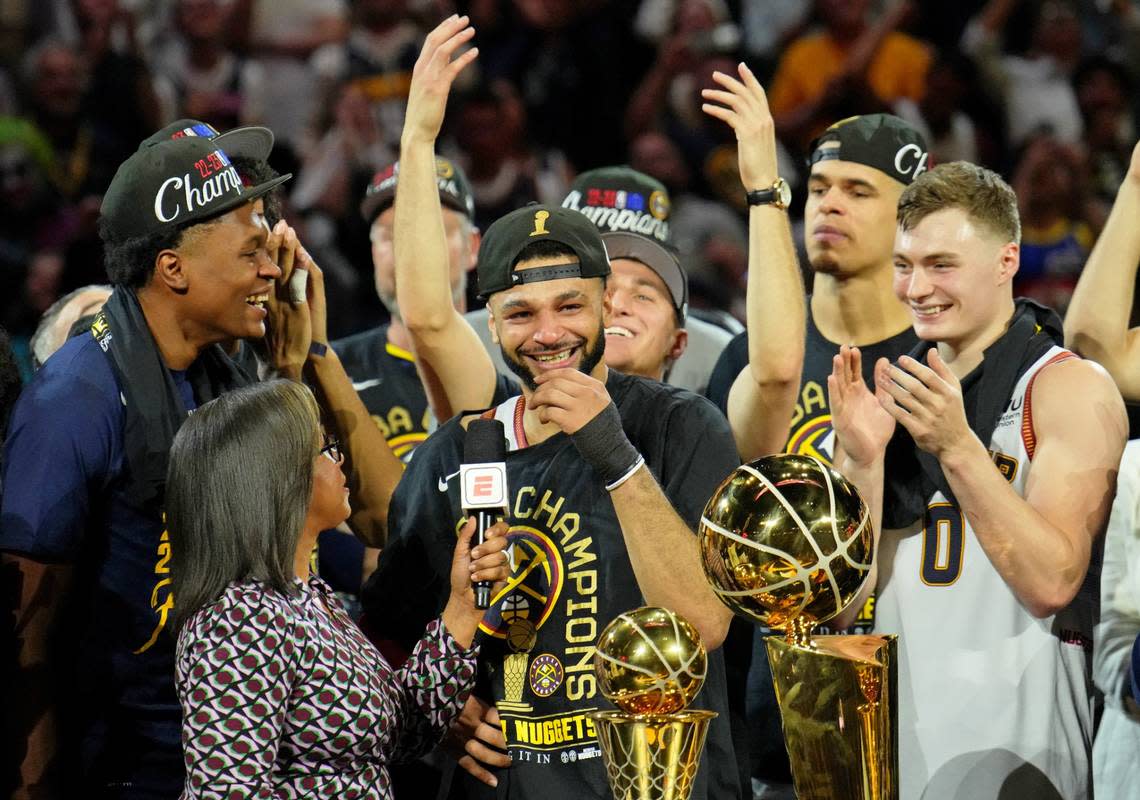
{"x":483,"y":485}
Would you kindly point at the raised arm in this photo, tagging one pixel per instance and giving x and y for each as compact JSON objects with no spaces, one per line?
{"x":762,"y":398}
{"x":298,"y":342}
{"x":1096,"y":325}
{"x":444,"y":342}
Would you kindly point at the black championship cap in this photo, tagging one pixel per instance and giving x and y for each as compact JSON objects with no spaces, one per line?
{"x":454,"y":190}
{"x":622,"y":199}
{"x":249,"y":142}
{"x":881,"y":141}
{"x":509,"y":235}
{"x":175,"y":183}
{"x":658,"y":258}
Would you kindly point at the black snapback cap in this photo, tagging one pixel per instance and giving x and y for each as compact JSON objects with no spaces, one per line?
{"x":454,"y":189}
{"x":622,"y":199}
{"x":175,"y":183}
{"x":881,"y":141}
{"x":509,"y":235}
{"x":251,"y":141}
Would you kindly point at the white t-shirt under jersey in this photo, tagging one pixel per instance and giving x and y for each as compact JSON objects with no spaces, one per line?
{"x":993,"y":702}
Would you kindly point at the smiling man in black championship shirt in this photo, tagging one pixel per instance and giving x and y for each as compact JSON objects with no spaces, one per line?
{"x":607,"y":474}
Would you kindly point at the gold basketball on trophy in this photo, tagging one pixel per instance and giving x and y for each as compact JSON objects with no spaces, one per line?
{"x":786,"y":538}
{"x":650,"y":661}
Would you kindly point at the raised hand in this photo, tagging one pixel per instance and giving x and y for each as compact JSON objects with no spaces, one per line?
{"x":861,"y":423}
{"x":927,"y":401}
{"x":568,"y":398}
{"x":289,"y":331}
{"x":433,"y":75}
{"x":744,"y":106}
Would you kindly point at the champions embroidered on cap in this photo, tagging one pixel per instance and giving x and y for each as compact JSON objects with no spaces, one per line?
{"x":216,"y":177}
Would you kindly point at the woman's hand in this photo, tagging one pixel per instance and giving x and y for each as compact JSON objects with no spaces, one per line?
{"x":485,"y":562}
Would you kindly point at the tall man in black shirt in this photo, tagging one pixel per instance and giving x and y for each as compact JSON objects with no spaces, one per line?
{"x":859,"y":168}
{"x":608,"y":475}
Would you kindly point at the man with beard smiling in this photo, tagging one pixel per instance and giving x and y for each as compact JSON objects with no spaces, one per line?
{"x":81,"y":525}
{"x":607,"y":476}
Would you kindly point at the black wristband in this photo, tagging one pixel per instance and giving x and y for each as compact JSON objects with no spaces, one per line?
{"x":605,"y":447}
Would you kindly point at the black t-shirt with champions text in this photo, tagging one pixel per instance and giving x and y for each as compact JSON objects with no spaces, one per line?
{"x":571,"y":576}
{"x":811,"y":434}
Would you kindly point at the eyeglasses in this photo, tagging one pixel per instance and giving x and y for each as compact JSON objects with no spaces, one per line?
{"x":331,"y":448}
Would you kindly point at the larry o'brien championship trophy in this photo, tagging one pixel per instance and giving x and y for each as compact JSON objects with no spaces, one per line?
{"x":651,"y":663}
{"x":787,"y":541}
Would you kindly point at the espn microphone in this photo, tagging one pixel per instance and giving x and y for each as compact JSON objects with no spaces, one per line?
{"x":483,"y":485}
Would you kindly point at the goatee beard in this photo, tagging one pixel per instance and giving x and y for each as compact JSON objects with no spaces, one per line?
{"x":590,"y":359}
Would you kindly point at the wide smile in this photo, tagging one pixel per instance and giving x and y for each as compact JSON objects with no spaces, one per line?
{"x":555,"y":359}
{"x":620,"y":331}
{"x":928,"y":312}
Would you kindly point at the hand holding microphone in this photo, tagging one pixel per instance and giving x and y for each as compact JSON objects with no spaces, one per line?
{"x":483,"y":485}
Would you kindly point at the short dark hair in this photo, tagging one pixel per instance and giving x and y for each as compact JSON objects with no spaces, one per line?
{"x":254,"y":172}
{"x":130,"y":262}
{"x":237,"y":491}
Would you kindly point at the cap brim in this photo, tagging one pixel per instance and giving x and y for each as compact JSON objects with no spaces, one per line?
{"x":373,"y":205}
{"x":252,"y":141}
{"x":651,"y":253}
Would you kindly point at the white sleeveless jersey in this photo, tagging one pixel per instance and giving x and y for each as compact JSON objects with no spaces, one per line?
{"x":993,"y":703}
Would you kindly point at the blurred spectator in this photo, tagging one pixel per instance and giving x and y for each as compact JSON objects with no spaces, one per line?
{"x":54,"y":80}
{"x":506,"y":167}
{"x":769,"y":26}
{"x":1035,"y":88}
{"x":120,"y":97}
{"x":377,"y":59}
{"x":283,"y":35}
{"x":58,"y":323}
{"x":697,"y":29}
{"x":1056,"y":237}
{"x":941,"y":116}
{"x":1104,"y":95}
{"x":573,"y":63}
{"x":854,"y":65}
{"x":199,"y":76}
{"x":711,"y":239}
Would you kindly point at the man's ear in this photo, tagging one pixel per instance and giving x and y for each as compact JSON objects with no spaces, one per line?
{"x":474,"y":242}
{"x":491,"y":324}
{"x":1009,"y":262}
{"x":169,"y":271}
{"x":680,"y":342}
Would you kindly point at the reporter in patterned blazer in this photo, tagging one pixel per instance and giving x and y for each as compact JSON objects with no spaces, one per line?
{"x":282,"y":696}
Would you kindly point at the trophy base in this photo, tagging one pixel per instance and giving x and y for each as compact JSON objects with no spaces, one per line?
{"x":651,"y":756}
{"x":839,"y":706}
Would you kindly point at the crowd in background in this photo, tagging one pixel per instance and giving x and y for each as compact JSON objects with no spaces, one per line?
{"x":1040,"y":91}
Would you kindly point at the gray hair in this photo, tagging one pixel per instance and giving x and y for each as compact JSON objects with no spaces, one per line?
{"x":237,"y":491}
{"x":46,"y":340}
